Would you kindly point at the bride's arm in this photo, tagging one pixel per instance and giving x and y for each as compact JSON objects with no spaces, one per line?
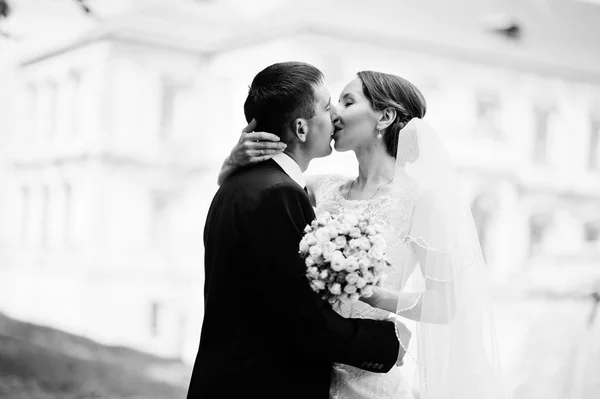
{"x":438,"y":296}
{"x":252,"y":147}
{"x":436,"y":303}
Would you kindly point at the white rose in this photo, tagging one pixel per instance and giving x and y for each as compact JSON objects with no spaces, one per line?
{"x":362,"y":225}
{"x":378,"y":240}
{"x":350,"y":289}
{"x":352,"y":278}
{"x":340,"y":242}
{"x":355,"y":232}
{"x":338,"y":261}
{"x":323,"y":218}
{"x":334,"y":223}
{"x":309,"y":261}
{"x":365,"y":245}
{"x":318,"y":284}
{"x":368,"y":276}
{"x":361,"y":218}
{"x":354,"y":297}
{"x":351,"y":219}
{"x":322,"y":234}
{"x":376,"y":254}
{"x":370,"y":230}
{"x":364,"y":263}
{"x":332,"y":232}
{"x":310,"y":239}
{"x":354,"y":243}
{"x":367,"y":291}
{"x":360,"y":282}
{"x":335,"y":289}
{"x":362,"y":254}
{"x":351,"y":264}
{"x":344,"y":228}
{"x":348,"y":251}
{"x":379,"y":248}
{"x":315,"y":251}
{"x":329,"y":246}
{"x":338,"y":264}
{"x":307,"y":229}
{"x":303,"y":246}
{"x":323,"y":275}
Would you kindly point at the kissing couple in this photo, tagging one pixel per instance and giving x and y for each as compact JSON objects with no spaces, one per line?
{"x":266,"y":333}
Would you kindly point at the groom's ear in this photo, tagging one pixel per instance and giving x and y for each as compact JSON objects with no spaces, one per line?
{"x":388,"y":116}
{"x":300,"y":129}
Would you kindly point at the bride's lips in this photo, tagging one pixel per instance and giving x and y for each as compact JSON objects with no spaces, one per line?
{"x":336,"y":129}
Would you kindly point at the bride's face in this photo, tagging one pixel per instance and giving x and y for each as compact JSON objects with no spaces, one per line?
{"x":357,"y":121}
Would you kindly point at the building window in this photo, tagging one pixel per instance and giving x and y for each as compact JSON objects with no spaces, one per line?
{"x":170,"y":92}
{"x":538,"y":227}
{"x":25,"y":213}
{"x":594,"y":147}
{"x":32,"y":108}
{"x":45,"y":216}
{"x":75,"y":101}
{"x":591,"y":232}
{"x":68,"y":204}
{"x":488,"y":114}
{"x":155,"y":315}
{"x":158,"y":207}
{"x":52,"y":108}
{"x":541,"y":135}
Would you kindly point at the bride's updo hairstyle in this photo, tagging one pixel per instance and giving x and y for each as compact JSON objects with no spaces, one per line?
{"x":383,"y":91}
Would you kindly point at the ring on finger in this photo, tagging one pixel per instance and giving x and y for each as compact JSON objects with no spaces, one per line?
{"x":262,"y":153}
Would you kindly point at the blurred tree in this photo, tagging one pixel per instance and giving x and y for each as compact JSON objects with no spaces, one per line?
{"x":4,"y":12}
{"x":4,"y":9}
{"x":84,"y":6}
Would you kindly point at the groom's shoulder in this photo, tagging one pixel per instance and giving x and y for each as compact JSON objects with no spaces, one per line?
{"x":259,"y":179}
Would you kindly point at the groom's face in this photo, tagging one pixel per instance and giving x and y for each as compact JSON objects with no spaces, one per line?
{"x":320,"y":126}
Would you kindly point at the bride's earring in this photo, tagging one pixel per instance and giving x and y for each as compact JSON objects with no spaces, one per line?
{"x":379,"y":136}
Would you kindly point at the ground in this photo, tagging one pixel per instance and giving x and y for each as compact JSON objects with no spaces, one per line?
{"x":43,"y":363}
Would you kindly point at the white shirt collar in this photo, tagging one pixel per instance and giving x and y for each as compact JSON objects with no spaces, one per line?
{"x":291,"y":168}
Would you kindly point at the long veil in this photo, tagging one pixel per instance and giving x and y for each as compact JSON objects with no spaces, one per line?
{"x":447,"y":294}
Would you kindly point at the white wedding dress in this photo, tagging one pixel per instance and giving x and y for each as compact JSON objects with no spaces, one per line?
{"x":350,"y":382}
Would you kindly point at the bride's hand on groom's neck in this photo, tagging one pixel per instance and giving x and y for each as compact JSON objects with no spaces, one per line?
{"x":251,"y":148}
{"x":254,"y":147}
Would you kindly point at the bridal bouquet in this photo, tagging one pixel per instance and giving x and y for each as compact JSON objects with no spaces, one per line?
{"x":344,"y":255}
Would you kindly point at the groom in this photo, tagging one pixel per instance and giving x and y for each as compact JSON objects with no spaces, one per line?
{"x":265,"y":333}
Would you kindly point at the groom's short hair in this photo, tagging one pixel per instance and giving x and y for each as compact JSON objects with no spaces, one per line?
{"x":281,"y":93}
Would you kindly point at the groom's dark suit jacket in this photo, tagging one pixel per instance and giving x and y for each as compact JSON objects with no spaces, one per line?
{"x":265,"y":333}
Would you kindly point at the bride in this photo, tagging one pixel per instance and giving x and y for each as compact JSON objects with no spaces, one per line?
{"x":437,"y":281}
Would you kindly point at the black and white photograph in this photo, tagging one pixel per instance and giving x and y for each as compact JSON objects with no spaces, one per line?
{"x":328,"y":199}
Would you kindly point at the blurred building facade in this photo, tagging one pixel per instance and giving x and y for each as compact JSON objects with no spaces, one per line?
{"x":119,"y":133}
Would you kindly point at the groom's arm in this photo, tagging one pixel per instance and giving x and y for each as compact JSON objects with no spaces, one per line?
{"x":368,"y":344}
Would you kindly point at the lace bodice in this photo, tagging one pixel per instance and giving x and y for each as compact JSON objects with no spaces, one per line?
{"x":394,"y":212}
